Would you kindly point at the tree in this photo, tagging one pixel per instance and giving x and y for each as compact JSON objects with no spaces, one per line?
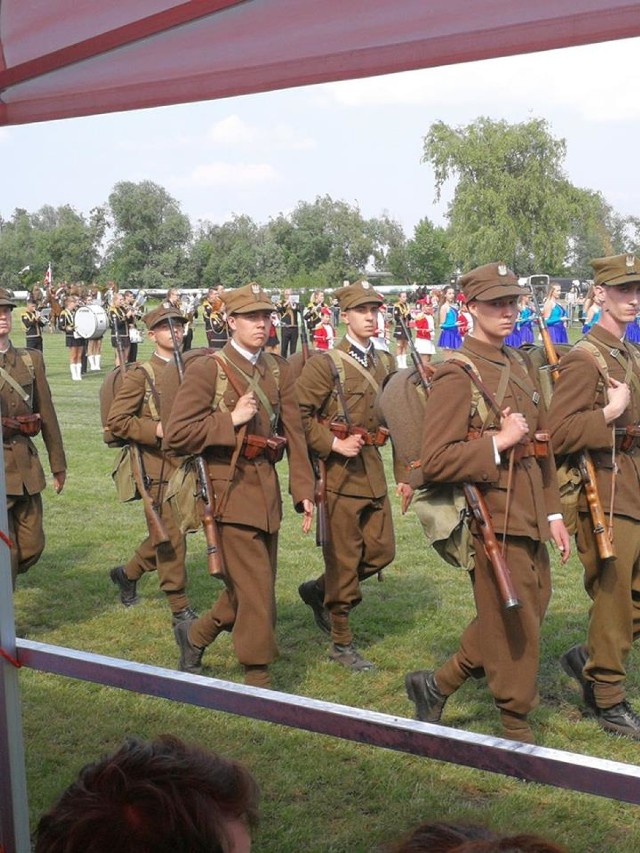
{"x":151,"y":236}
{"x":512,"y":200}
{"x":428,"y":253}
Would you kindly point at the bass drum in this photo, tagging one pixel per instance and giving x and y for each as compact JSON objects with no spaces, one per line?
{"x":90,"y":321}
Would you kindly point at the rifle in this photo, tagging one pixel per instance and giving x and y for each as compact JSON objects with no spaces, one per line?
{"x":215,"y":564}
{"x":475,"y":501}
{"x":318,"y":465}
{"x":586,"y":467}
{"x":156,"y":528}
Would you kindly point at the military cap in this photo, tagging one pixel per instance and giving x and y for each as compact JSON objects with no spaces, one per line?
{"x":616,"y":270}
{"x":358,"y":293}
{"x":244,"y":300}
{"x":160,"y":314}
{"x":491,"y":281}
{"x":7,"y":298}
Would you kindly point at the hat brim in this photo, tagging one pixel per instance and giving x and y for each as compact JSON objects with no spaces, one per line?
{"x":500,"y":291}
{"x":254,"y":306}
{"x":363,"y":300}
{"x":632,"y":278}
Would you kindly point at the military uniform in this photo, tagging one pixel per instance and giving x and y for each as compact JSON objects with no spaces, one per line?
{"x":457,"y":447}
{"x":247,"y":491}
{"x":24,"y":476}
{"x":578,"y":423}
{"x":133,"y":417}
{"x":361,"y":538}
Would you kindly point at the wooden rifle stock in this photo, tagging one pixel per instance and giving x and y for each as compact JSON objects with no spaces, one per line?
{"x":501,"y":571}
{"x":156,"y":528}
{"x":586,"y":467}
{"x":215,"y":565}
{"x":318,"y":465}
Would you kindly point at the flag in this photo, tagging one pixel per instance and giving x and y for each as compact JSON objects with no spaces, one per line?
{"x":47,"y":277}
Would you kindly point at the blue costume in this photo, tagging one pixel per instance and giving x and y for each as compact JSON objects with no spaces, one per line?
{"x":633,"y":332}
{"x":555,"y":324}
{"x":589,"y":323}
{"x":449,"y":334}
{"x":523,"y":329}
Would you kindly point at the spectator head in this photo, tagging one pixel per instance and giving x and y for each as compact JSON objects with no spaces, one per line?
{"x":460,"y":838}
{"x":160,"y":796}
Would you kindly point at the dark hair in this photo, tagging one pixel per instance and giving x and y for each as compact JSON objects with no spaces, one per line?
{"x":459,"y":838}
{"x":160,"y":796}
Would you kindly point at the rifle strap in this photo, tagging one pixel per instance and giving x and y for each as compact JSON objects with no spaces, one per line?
{"x":154,"y":398}
{"x":253,"y":383}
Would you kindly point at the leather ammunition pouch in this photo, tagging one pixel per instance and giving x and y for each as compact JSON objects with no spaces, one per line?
{"x":627,"y":442}
{"x":28,"y":425}
{"x":342,"y":430}
{"x":538,"y":446}
{"x":272,"y":448}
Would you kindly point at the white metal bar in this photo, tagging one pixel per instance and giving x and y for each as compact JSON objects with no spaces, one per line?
{"x":532,"y":763}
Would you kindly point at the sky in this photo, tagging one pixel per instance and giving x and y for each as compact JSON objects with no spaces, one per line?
{"x":358,"y":141}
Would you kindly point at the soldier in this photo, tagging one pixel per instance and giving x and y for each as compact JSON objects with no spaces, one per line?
{"x":596,"y":407}
{"x":33,"y":323}
{"x":503,"y":450}
{"x":289,"y":311}
{"x":337,"y":391}
{"x":27,"y":408}
{"x":137,"y":414}
{"x":237,"y":438}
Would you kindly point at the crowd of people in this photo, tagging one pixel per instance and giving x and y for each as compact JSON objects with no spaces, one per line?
{"x":228,"y":413}
{"x":236,"y":408}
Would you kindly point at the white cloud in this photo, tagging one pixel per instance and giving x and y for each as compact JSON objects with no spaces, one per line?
{"x":233,"y":131}
{"x":599,"y":82}
{"x":236,"y":175}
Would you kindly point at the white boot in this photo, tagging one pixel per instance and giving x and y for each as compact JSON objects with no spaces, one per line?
{"x":97,"y":358}
{"x":90,"y":359}
{"x":77,"y":371}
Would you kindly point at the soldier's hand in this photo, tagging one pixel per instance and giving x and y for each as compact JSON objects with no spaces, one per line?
{"x":514,"y":429}
{"x":245,"y":409}
{"x":58,"y":481}
{"x":405,"y":493}
{"x":349,"y":446}
{"x":561,"y":539}
{"x":619,"y":396}
{"x":307,"y":518}
{"x":159,"y":430}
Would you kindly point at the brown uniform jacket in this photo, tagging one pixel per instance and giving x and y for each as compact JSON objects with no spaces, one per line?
{"x":449,"y":457}
{"x":250,"y":494}
{"x":577,"y":421}
{"x":132,"y":419}
{"x":23,"y":471}
{"x":362,"y":475}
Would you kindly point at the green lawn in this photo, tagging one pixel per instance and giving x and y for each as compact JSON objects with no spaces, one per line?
{"x":319,"y":794}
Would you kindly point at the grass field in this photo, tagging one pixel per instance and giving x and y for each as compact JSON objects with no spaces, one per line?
{"x":319,"y":794}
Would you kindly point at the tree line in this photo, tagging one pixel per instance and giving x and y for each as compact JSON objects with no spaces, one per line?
{"x":510,"y":200}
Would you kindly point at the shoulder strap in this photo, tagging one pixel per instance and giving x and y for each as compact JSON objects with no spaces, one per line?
{"x":154,"y":398}
{"x":338,"y":357}
{"x":597,"y":355}
{"x":478,"y":403}
{"x":253,"y":384}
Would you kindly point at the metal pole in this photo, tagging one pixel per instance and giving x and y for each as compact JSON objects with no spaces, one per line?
{"x":14,"y":814}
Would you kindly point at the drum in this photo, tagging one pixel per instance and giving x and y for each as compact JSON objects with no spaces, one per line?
{"x":90,"y":321}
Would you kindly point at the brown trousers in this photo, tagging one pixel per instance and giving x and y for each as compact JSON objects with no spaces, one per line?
{"x":361,"y":543}
{"x":167,"y":559}
{"x":614,"y":617}
{"x":25,"y":531}
{"x":247,"y":607}
{"x":504,"y":644}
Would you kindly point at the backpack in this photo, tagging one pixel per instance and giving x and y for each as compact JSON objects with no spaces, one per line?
{"x":441,"y":508}
{"x":108,"y":390}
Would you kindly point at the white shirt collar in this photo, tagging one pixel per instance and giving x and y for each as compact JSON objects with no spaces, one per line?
{"x":355,"y":344}
{"x":250,"y":356}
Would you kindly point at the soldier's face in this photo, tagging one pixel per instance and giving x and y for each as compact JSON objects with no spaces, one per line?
{"x":362,"y":322}
{"x":622,"y":303}
{"x":493,"y":320}
{"x":250,"y":331}
{"x":5,"y":320}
